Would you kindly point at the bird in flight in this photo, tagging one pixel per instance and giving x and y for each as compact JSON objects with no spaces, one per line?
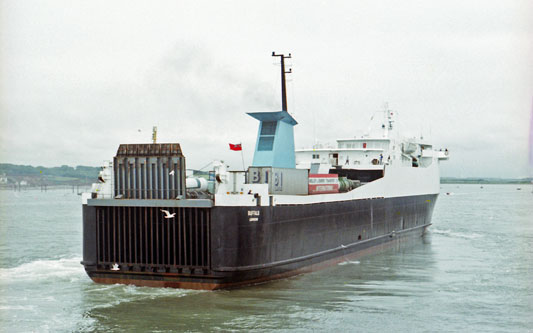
{"x":115,"y":267}
{"x":171,"y":173}
{"x":167,"y":214}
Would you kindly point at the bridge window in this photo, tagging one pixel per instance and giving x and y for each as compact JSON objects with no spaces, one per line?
{"x":265,"y":143}
{"x":266,"y":138}
{"x":268,"y":127}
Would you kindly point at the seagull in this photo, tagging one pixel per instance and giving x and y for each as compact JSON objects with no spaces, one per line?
{"x":171,"y":173}
{"x":115,"y":267}
{"x":168,"y":215}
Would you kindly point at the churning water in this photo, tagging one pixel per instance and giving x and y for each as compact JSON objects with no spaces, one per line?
{"x":472,"y":272}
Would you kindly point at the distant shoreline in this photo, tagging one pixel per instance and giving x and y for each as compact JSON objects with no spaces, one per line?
{"x":29,"y":176}
{"x":45,"y":188}
{"x":26,"y":175}
{"x":481,"y":181}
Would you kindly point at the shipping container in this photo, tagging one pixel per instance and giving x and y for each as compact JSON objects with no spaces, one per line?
{"x":280,"y":180}
{"x":323,"y":183}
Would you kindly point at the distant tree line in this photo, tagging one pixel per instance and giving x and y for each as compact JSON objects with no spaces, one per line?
{"x":80,"y":171}
{"x":453,"y":180}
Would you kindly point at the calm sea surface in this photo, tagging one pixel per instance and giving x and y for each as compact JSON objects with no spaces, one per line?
{"x":472,"y":272}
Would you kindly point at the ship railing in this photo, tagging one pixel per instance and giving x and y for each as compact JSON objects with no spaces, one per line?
{"x":148,"y":193}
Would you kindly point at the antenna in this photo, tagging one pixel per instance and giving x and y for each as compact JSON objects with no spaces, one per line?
{"x":283,"y":72}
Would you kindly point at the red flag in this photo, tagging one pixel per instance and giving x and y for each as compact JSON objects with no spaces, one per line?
{"x":235,"y":147}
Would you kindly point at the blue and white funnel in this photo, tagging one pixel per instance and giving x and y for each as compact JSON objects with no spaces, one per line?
{"x":275,"y":140}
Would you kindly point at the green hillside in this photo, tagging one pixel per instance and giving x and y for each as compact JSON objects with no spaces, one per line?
{"x":35,"y":176}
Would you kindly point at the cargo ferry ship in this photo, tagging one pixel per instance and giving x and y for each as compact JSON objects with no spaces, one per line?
{"x":147,"y":223}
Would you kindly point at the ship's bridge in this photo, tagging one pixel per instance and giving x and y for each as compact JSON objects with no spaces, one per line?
{"x":353,"y":153}
{"x":364,"y":143}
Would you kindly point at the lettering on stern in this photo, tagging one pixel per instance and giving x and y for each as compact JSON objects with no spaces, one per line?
{"x":253,"y":215}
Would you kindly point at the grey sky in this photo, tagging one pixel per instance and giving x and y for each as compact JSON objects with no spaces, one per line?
{"x":79,"y":78}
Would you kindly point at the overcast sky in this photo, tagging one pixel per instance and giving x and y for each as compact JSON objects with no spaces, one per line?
{"x":79,"y":78}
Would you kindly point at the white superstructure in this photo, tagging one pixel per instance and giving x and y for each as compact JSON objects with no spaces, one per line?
{"x":386,"y":164}
{"x":383,"y":163}
{"x":378,"y":148}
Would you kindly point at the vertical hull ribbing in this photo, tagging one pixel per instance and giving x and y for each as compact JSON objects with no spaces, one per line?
{"x":220,"y":247}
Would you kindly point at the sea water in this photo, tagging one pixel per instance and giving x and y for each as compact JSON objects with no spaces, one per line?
{"x":473,"y":271}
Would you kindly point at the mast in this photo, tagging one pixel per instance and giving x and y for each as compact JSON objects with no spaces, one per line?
{"x":154,"y":134}
{"x":283,"y":85}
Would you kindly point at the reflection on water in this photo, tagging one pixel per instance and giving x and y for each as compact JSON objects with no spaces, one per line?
{"x":302,"y":302}
{"x":472,"y":271}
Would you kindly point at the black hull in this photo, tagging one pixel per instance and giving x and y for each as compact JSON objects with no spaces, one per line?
{"x":223,"y":247}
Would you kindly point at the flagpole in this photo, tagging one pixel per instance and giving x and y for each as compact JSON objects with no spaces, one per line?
{"x":242,"y":156}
